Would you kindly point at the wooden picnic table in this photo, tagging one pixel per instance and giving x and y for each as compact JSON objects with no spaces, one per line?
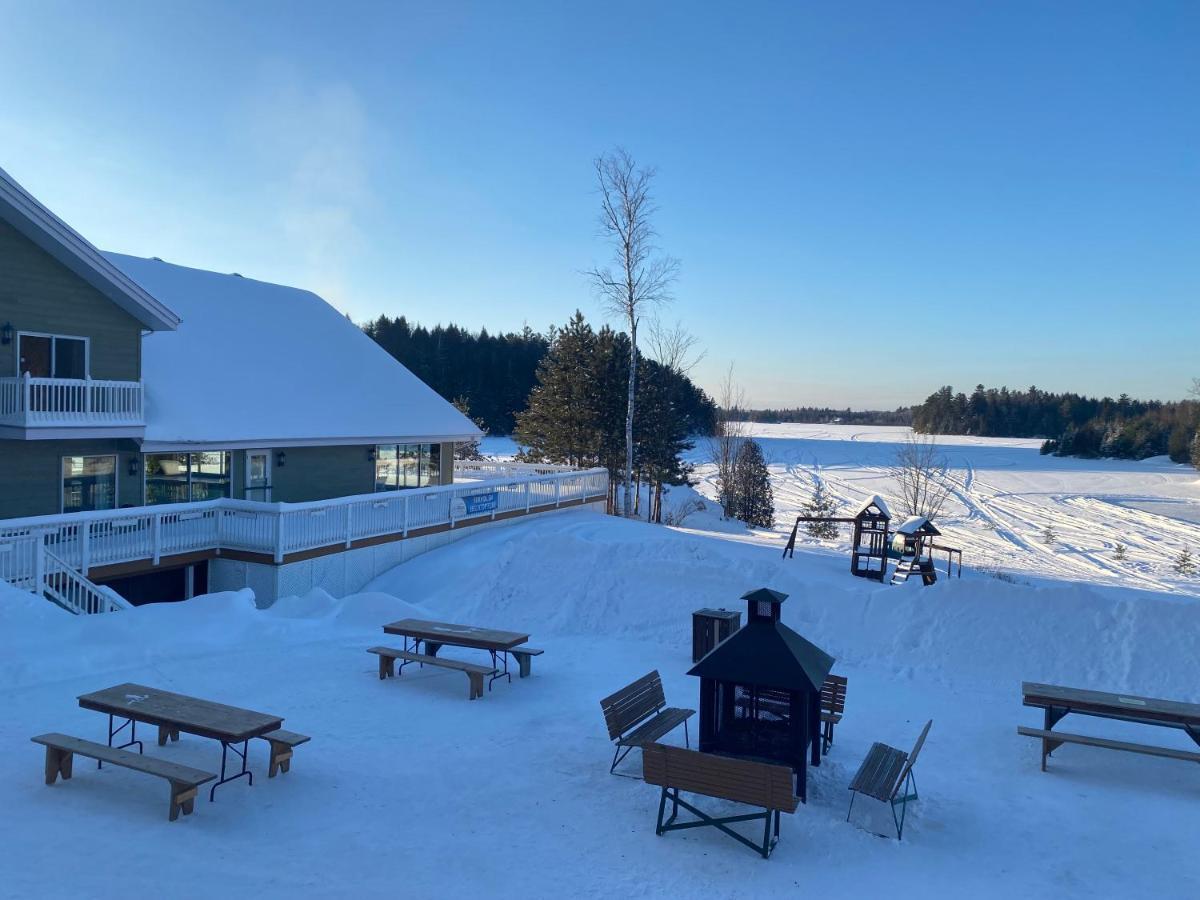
{"x":1059,"y":702}
{"x":173,"y":713}
{"x":435,"y":635}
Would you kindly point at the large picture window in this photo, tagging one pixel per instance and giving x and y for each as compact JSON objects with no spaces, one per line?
{"x":89,"y":482}
{"x":399,"y":466}
{"x":184,"y":477}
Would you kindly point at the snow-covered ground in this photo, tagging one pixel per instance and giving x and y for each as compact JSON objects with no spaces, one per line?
{"x":1004,"y":494}
{"x":409,"y":789}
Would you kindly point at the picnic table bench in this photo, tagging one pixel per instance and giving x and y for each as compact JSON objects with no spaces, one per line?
{"x":764,"y":785}
{"x":637,"y":715}
{"x":1057,"y":702}
{"x":389,"y":655}
{"x":435,"y":635}
{"x":883,"y":774}
{"x":61,"y":750}
{"x":174,"y":713}
{"x":524,"y":657}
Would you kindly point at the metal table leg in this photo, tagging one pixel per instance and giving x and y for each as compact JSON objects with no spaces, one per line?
{"x":131,"y":724}
{"x":243,"y":753}
{"x":496,"y":672}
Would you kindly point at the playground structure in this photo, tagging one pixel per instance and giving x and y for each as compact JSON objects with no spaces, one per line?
{"x":912,"y":546}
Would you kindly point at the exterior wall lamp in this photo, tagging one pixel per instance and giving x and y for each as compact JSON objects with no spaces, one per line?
{"x":6,"y":333}
{"x":133,"y":466}
{"x":371,"y":453}
{"x":280,"y":458}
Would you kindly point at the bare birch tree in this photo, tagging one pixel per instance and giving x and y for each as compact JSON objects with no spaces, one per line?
{"x":638,"y":275}
{"x":922,"y":474}
{"x":674,"y":346}
{"x":727,"y":439}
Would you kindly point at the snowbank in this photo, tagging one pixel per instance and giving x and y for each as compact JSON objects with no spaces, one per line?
{"x":406,"y":782}
{"x":582,"y":574}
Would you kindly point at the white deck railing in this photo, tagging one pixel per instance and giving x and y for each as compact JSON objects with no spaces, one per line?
{"x":489,"y":469}
{"x":89,"y":539}
{"x":30,"y":402}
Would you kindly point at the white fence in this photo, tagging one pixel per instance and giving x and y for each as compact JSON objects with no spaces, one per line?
{"x":33,"y":402}
{"x":85,"y":540}
{"x":486,"y":469}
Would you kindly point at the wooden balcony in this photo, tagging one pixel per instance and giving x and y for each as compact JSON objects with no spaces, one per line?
{"x":70,"y":407}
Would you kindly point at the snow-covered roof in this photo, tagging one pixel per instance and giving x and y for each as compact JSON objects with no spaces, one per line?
{"x":913,"y":524}
{"x":26,"y":214}
{"x":258,"y":365}
{"x":876,"y":501}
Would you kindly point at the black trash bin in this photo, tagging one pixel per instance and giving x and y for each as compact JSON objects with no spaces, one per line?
{"x":710,"y":627}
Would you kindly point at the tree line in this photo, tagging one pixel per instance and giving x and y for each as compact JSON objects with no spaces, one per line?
{"x":1070,"y":424}
{"x":492,"y":374}
{"x":825,"y":415}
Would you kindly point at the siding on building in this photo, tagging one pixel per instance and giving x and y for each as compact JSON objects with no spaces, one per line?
{"x":31,"y":474}
{"x":319,"y":473}
{"x":40,"y":294}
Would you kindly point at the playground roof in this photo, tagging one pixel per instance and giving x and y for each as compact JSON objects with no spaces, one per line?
{"x":917,"y":525}
{"x":876,"y":501}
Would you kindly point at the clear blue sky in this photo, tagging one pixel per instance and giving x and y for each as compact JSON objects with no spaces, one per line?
{"x":869,"y":200}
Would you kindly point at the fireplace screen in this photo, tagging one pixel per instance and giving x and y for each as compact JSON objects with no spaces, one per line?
{"x":759,"y":722}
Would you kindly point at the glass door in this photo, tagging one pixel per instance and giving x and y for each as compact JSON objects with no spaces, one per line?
{"x":258,"y":475}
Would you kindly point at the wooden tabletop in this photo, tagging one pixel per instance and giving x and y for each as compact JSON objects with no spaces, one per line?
{"x":1128,"y":706}
{"x":190,"y":714}
{"x":457,"y":635}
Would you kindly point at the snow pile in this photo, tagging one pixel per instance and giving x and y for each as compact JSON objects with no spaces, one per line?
{"x":643,"y":582}
{"x":405,"y":779}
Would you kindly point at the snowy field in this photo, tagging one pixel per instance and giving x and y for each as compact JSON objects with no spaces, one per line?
{"x":409,"y":789}
{"x":1003,"y":496}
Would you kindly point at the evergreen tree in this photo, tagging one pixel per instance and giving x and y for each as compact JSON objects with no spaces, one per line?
{"x":468,"y":449}
{"x":753,"y":501}
{"x":821,"y":506}
{"x":562,"y":421}
{"x":1195,"y":450}
{"x":1184,"y":565}
{"x":661,"y":433}
{"x":1119,"y":552}
{"x":1049,"y":535}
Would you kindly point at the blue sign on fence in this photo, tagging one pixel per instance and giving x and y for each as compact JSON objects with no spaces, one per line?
{"x":478,"y":504}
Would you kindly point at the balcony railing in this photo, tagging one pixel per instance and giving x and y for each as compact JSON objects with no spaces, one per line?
{"x":84,"y":540}
{"x":28,"y":402}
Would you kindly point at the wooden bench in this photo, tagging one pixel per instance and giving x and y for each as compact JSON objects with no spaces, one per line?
{"x":185,"y":781}
{"x":884,"y":773}
{"x":524,"y":656}
{"x":638,"y":715}
{"x":833,"y":706}
{"x":475,"y":673}
{"x":1051,"y":740}
{"x":742,"y":781}
{"x":282,"y":744}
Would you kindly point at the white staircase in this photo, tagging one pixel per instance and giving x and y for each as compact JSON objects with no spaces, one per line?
{"x":27,"y":563}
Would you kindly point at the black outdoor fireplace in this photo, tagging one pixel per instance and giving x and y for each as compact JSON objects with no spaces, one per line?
{"x":760,"y":692}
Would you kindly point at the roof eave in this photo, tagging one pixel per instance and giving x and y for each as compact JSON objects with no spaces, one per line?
{"x":25,"y":213}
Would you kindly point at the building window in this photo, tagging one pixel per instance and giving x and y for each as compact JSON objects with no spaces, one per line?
{"x":89,"y":482}
{"x":184,"y":477}
{"x":399,"y":466}
{"x":52,"y":356}
{"x":431,"y":464}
